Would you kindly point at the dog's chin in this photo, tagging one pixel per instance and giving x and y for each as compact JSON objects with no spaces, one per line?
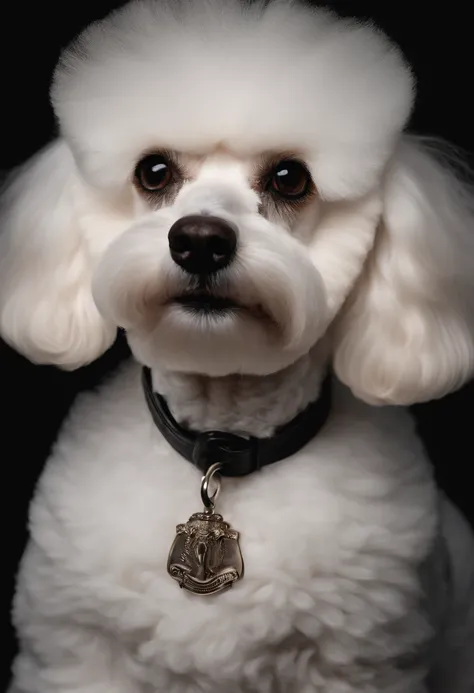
{"x":212,"y":336}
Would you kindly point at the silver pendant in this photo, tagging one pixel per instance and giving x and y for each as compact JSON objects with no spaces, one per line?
{"x":205,"y":556}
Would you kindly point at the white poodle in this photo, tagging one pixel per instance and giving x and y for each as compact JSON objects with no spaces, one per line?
{"x":232,"y":186}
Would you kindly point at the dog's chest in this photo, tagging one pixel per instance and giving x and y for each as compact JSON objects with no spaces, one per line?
{"x":288,"y":526}
{"x":316,"y":535}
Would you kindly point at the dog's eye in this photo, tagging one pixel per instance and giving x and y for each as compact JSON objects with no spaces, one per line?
{"x":154,"y":173}
{"x":290,"y":179}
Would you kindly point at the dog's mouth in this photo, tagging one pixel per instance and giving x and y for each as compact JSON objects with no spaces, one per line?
{"x":204,"y":302}
{"x":209,"y":302}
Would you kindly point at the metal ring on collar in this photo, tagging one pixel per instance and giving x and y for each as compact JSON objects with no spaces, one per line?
{"x":209,"y":500}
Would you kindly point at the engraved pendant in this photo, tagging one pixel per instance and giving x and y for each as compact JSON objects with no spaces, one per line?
{"x":205,"y":557}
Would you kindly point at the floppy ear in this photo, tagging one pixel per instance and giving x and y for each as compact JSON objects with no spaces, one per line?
{"x":406,"y":334}
{"x":46,"y":308}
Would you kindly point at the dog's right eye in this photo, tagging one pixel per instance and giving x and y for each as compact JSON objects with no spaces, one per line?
{"x":154,"y":173}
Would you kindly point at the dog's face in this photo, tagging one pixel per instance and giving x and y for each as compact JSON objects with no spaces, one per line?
{"x":239,"y":176}
{"x":232,"y":185}
{"x":229,"y":268}
{"x":216,"y":277}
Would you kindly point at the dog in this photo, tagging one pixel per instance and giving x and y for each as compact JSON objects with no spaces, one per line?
{"x":233,"y":185}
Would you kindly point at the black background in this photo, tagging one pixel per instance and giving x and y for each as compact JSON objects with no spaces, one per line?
{"x":34,"y":400}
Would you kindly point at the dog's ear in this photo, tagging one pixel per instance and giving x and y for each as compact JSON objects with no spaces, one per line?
{"x":406,"y":334}
{"x":46,"y":307}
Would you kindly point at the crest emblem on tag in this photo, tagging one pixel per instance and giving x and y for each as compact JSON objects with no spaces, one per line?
{"x":205,"y":557}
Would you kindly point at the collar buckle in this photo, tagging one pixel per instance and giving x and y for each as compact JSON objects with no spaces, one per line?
{"x":231,"y":451}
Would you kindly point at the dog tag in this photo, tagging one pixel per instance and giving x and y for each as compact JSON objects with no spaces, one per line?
{"x":205,"y":557}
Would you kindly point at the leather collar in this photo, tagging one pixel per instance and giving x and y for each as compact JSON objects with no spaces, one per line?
{"x":239,"y":455}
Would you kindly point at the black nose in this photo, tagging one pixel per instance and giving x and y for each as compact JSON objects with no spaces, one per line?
{"x":202,"y":244}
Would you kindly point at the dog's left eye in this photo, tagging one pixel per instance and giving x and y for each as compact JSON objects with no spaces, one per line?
{"x":154,"y":173}
{"x":290,"y":179}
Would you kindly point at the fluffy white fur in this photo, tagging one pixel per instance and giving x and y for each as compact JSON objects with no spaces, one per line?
{"x":359,"y":576}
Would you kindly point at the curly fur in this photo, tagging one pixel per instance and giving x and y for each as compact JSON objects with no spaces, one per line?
{"x":359,"y":575}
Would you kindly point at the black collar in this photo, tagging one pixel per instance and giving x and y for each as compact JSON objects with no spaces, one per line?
{"x":240,"y":456}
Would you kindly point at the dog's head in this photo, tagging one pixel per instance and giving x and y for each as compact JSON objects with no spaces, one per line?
{"x":231,"y":184}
